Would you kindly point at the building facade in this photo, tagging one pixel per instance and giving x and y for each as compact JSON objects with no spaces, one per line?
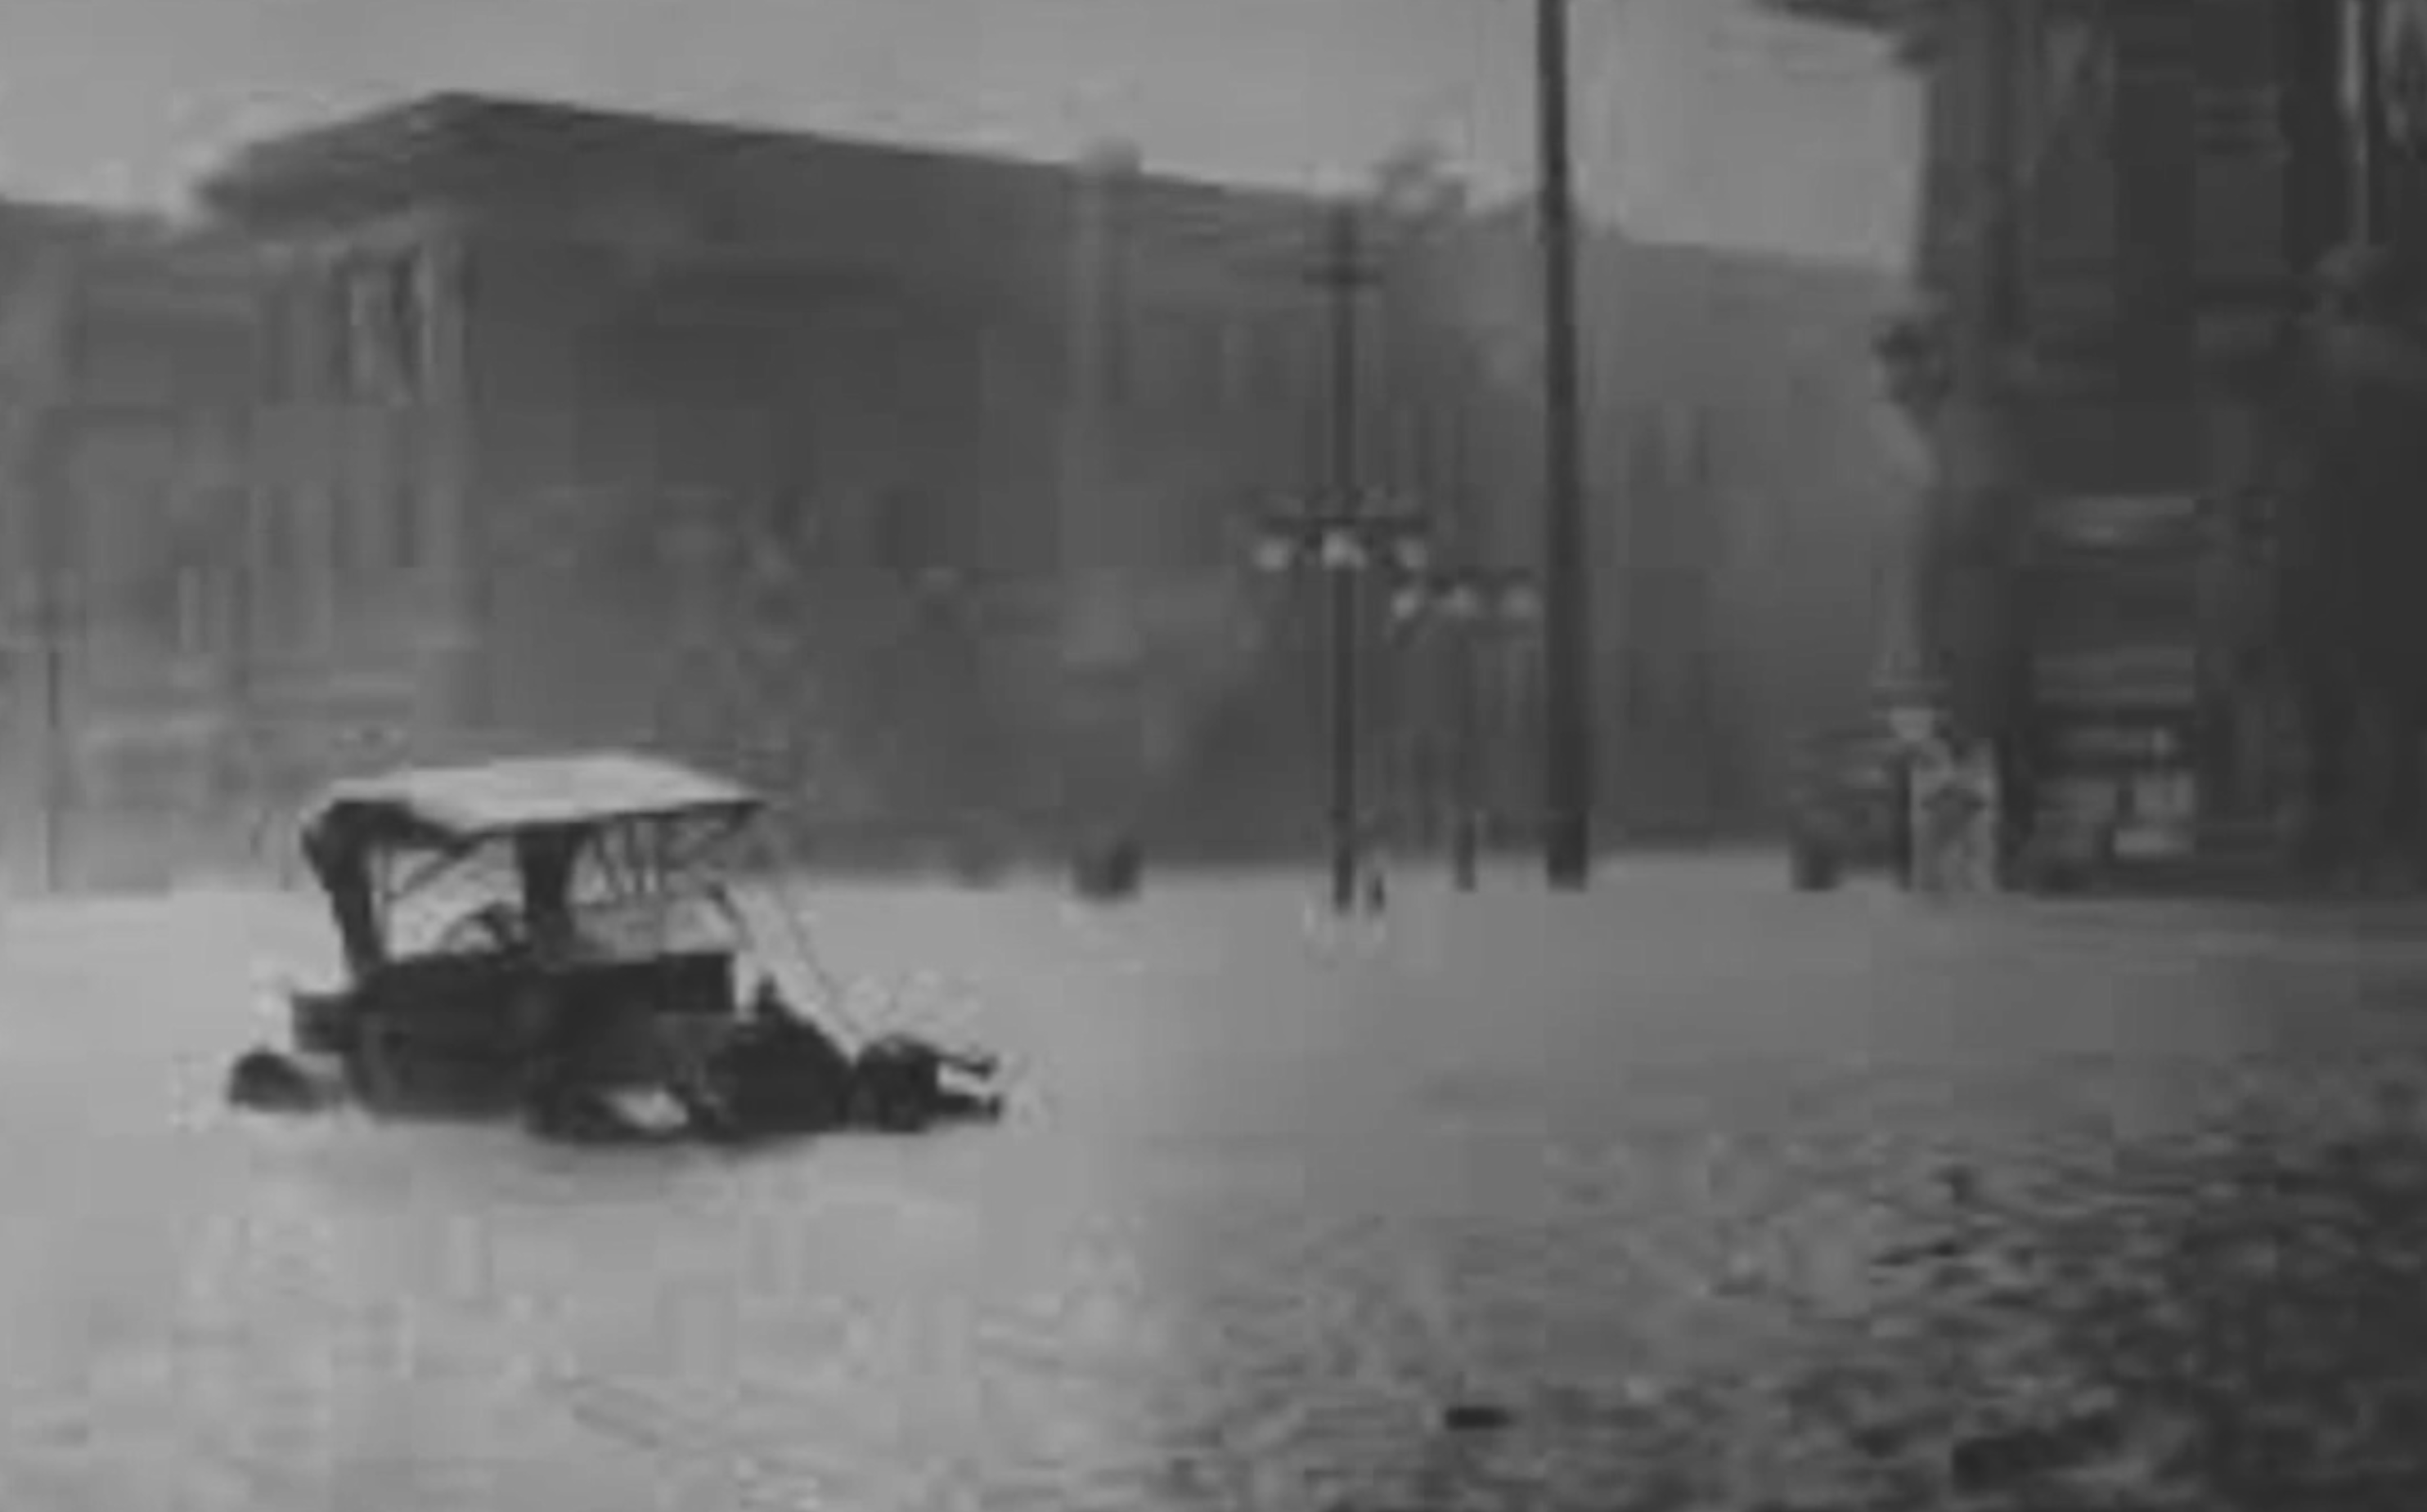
{"x":919,"y":487}
{"x":127,"y":458}
{"x":852,"y":463}
{"x":2124,"y":203}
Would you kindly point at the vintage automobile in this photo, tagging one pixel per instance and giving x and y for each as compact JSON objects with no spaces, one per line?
{"x":576,"y":960}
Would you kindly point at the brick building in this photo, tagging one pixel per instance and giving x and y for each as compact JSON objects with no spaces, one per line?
{"x":126,"y":460}
{"x":837,"y":464}
{"x":919,"y":485}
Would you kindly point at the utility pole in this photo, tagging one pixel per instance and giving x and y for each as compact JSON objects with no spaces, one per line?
{"x":240,"y":770}
{"x":1343,"y":542}
{"x":2363,"y":48}
{"x":1342,"y":276}
{"x":1567,"y":766}
{"x":56,"y":797}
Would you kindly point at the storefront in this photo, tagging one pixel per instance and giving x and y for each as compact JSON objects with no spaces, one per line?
{"x":2160,"y":181}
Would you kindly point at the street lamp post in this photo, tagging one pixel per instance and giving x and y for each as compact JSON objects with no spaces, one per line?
{"x":1343,"y":545}
{"x":1471,"y":603}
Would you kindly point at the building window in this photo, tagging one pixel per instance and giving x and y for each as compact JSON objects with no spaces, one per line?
{"x":1234,"y":357}
{"x":380,"y":328}
{"x":311,"y":587}
{"x":404,"y":522}
{"x":1198,"y":344}
{"x":331,"y":332}
{"x":377,"y":502}
{"x":1179,"y":358}
{"x":994,"y":388}
{"x":390,"y":493}
{"x":191,"y":591}
{"x":349,"y":543}
{"x":905,"y":531}
{"x":432,"y":269}
{"x":407,"y":287}
{"x":299,"y":336}
{"x":1281,"y":348}
{"x":268,"y":580}
{"x":295,"y":335}
{"x":367,"y":353}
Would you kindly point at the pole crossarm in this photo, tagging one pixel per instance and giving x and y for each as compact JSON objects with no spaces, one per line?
{"x":1344,"y":541}
{"x":1495,"y":597}
{"x":1345,"y":264}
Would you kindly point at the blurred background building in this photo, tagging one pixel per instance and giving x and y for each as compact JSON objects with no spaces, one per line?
{"x":915,"y":485}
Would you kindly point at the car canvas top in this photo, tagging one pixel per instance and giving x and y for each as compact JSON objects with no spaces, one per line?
{"x":454,"y":806}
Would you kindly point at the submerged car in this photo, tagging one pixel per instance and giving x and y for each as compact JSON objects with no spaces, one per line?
{"x":551,"y":937}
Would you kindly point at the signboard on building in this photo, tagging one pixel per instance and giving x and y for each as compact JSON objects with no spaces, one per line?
{"x":2116,"y":524}
{"x":2118,"y":593}
{"x":2117,"y":670}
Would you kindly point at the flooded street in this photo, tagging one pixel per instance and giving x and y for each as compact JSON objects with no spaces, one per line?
{"x":1722,"y":1196}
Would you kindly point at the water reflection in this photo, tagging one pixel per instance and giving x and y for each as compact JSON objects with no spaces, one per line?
{"x":2232,"y":1317}
{"x":1873,"y":1215}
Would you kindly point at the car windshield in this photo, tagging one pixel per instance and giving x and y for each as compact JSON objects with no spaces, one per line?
{"x":425,"y":912}
{"x":640,"y":927}
{"x":633,"y":896}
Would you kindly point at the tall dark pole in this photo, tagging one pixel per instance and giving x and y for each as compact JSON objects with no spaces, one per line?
{"x":243,"y":770}
{"x":1568,"y":757}
{"x":55,"y":796}
{"x":1466,"y":836}
{"x":51,"y":526}
{"x":2364,"y":50}
{"x":1342,"y":274}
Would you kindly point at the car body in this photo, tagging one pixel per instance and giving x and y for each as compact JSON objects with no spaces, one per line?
{"x":596,"y":950}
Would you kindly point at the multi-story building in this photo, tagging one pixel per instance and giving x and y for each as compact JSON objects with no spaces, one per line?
{"x":2122,"y":204}
{"x":127,"y":467}
{"x":920,"y":485}
{"x":907,"y":478}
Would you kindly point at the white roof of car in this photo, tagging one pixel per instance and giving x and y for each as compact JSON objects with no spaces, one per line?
{"x":502,"y":797}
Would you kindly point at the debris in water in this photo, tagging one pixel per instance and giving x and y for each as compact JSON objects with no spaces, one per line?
{"x":1993,"y":1461}
{"x":1476,"y":1417}
{"x":265,"y":1080}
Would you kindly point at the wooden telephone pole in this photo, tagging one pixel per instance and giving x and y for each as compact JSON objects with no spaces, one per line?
{"x":1344,"y":275}
{"x":1342,"y":541}
{"x":1567,"y":703}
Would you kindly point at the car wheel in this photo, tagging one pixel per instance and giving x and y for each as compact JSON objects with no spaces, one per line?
{"x":267,"y":1081}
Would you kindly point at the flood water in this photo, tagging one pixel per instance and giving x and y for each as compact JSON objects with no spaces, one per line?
{"x":1718,"y":1197}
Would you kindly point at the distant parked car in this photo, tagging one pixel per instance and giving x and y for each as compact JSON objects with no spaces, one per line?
{"x":1109,"y":868}
{"x":1848,"y":810}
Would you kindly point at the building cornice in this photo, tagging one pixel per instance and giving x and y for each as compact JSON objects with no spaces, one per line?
{"x":1911,"y":24}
